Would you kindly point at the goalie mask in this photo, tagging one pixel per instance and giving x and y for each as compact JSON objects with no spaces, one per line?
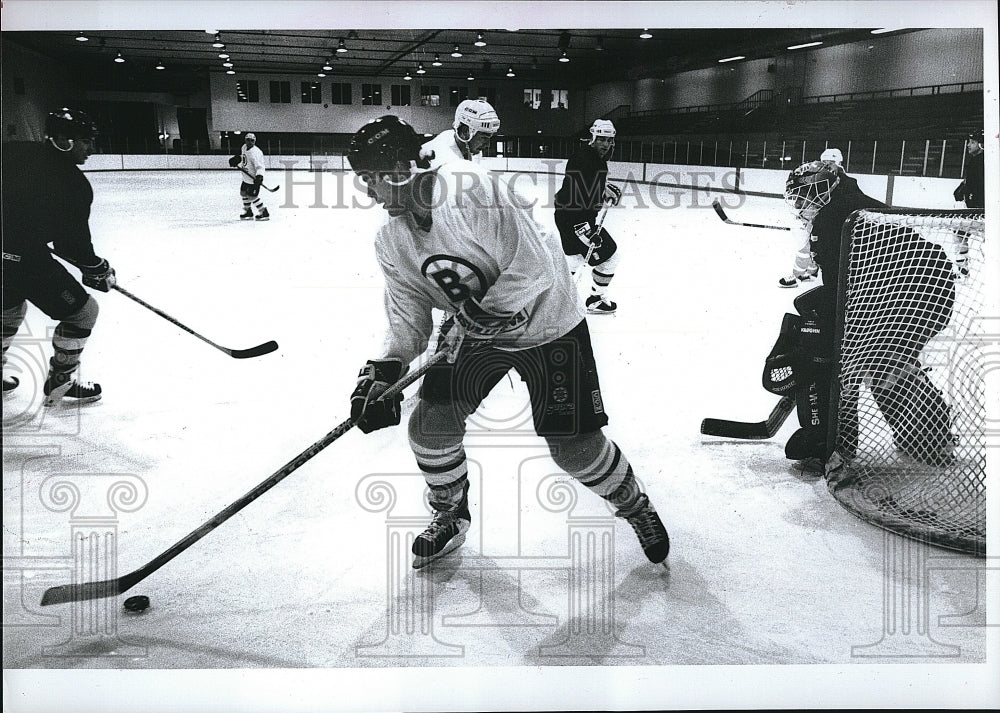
{"x":380,"y":145}
{"x":810,"y":186}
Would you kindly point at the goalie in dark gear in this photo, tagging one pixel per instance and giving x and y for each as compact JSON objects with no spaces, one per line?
{"x":800,"y":365}
{"x":801,"y":362}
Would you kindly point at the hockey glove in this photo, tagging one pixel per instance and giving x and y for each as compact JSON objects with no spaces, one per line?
{"x":960,"y":192}
{"x":99,"y":277}
{"x":368,"y":413}
{"x":612,"y":194}
{"x":472,"y":326}
{"x":588,"y":235}
{"x":234,"y":161}
{"x":258,"y":181}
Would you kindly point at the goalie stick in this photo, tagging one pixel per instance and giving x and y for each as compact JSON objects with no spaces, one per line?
{"x":725,"y":219}
{"x":111,"y":587}
{"x":259,"y":350}
{"x":267,"y":188}
{"x":760,"y":430}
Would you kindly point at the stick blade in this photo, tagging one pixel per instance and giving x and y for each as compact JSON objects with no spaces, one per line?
{"x":750,"y":431}
{"x":734,"y":429}
{"x":719,"y":211}
{"x":259,"y":350}
{"x":66,"y":593}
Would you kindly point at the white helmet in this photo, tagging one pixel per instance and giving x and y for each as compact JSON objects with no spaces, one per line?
{"x":250,"y":136}
{"x":832,"y":155}
{"x":602,"y":127}
{"x":478,"y":115}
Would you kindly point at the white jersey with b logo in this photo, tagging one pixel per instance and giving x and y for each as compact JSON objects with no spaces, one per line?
{"x":482,"y":242}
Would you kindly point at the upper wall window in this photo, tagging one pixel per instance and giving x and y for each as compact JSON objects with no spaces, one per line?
{"x":371,"y":94}
{"x":247,"y":90}
{"x":341,"y":93}
{"x":281,"y":92}
{"x":312,"y":93}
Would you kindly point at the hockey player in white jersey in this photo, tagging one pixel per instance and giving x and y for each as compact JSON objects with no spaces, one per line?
{"x":250,"y":161}
{"x":457,"y":242}
{"x":476,"y":122}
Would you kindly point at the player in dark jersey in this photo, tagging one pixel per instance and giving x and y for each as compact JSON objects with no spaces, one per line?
{"x":47,"y":199}
{"x":577,"y":204}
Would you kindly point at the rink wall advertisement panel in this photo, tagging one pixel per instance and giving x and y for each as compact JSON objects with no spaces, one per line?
{"x":913,"y":191}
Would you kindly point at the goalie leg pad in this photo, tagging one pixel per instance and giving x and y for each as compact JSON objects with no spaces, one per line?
{"x":915,"y":410}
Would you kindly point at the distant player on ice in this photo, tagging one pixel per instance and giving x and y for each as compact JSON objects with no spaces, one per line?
{"x":578,"y":202}
{"x":465,"y":247}
{"x":250,"y":161}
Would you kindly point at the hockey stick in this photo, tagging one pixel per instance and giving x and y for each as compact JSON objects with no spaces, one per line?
{"x":267,"y":188}
{"x":725,"y":219}
{"x":750,"y":431}
{"x":112,"y":587}
{"x":259,"y":350}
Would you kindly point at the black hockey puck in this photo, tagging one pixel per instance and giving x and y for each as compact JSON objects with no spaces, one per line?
{"x":136,"y":604}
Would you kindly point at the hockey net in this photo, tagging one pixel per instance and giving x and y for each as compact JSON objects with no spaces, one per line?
{"x":908,"y":430}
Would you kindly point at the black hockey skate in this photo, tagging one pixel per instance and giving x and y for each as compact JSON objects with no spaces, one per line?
{"x":598,"y":304}
{"x":10,"y":383}
{"x":246,"y":215}
{"x":445,"y":534}
{"x":649,"y":528}
{"x":264,"y":215}
{"x":62,"y":388}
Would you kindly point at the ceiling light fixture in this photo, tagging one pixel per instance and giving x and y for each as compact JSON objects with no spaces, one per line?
{"x":341,"y":48}
{"x":510,"y":72}
{"x":223,"y":55}
{"x":480,"y":40}
{"x":437,"y":60}
{"x":230,"y":71}
{"x":732,"y":59}
{"x":118,"y":58}
{"x":600,"y":44}
{"x":803,"y":46}
{"x":420,"y":69}
{"x":82,"y":37}
{"x":328,"y":65}
{"x":563,"y":57}
{"x":471,"y":77}
{"x":645,"y":34}
{"x":227,"y":63}
{"x":159,"y":65}
{"x":407,"y":76}
{"x":455,"y":52}
{"x":218,"y":41}
{"x":321,"y":74}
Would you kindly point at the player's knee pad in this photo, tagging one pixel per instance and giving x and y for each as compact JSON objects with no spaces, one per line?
{"x":84,"y":319}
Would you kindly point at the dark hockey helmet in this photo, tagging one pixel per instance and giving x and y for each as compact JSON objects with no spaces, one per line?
{"x":810,"y":186}
{"x":70,"y":124}
{"x":977,"y":136}
{"x":380,"y":144}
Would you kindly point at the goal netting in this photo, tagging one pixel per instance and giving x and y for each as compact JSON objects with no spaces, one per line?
{"x":908,"y":433}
